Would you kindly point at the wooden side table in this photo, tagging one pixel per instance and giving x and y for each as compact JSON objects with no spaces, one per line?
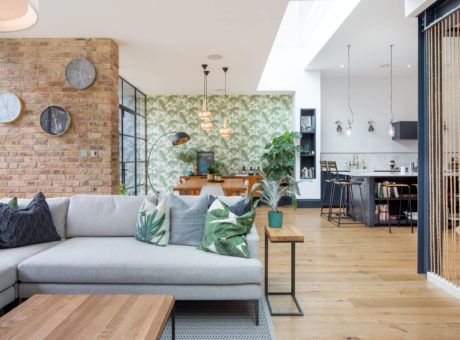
{"x":286,"y":234}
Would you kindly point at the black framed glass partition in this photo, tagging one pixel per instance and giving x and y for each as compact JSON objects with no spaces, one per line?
{"x":133,"y":138}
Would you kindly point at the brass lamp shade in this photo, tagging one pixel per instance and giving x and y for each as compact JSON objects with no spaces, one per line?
{"x":180,"y":138}
{"x":206,"y":125}
{"x":204,"y":113}
{"x":225,"y":131}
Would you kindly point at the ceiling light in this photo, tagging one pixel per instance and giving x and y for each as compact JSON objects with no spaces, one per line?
{"x":391,"y":130}
{"x":409,"y":66}
{"x":206,"y":125}
{"x":17,"y":15}
{"x":225,"y":131}
{"x":215,"y":57}
{"x":342,"y":66}
{"x":204,"y":113}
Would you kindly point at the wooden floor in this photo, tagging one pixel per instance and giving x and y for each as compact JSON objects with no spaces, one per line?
{"x":356,"y":283}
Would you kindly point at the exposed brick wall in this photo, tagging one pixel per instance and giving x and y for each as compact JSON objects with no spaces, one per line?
{"x":30,"y":159}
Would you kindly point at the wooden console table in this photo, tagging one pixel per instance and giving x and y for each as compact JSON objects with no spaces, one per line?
{"x":251,"y":180}
{"x":286,"y":234}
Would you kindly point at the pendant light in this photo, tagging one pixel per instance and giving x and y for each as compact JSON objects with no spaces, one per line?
{"x":18,"y":15}
{"x":391,"y":130}
{"x":204,"y":113}
{"x":206,"y":125}
{"x":225,"y":131}
{"x":351,"y":118}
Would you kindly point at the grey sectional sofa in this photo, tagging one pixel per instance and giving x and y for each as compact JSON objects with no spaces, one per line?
{"x":99,"y":255}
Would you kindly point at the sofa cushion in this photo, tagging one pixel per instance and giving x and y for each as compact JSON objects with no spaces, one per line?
{"x":153,"y":223}
{"x":124,"y":260}
{"x":31,"y":225}
{"x":103,"y":215}
{"x":239,"y":208}
{"x":187,"y":220}
{"x":58,"y":208}
{"x":10,"y":258}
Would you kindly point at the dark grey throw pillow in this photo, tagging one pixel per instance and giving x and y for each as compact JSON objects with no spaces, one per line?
{"x":239,"y":209}
{"x":31,"y":225}
{"x":187,"y":221}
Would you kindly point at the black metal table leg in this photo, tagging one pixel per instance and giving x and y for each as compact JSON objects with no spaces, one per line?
{"x":292,"y":292}
{"x":173,"y":322}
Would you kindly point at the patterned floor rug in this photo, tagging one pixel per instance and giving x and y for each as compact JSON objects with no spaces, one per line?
{"x":214,"y":320}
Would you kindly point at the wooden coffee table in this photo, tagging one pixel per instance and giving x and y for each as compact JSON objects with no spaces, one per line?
{"x":89,"y":317}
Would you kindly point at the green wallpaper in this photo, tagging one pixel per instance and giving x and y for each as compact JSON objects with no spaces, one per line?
{"x":254,"y":120}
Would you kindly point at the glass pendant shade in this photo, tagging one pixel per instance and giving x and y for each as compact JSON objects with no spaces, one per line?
{"x":348,"y":131}
{"x":206,"y":125}
{"x":204,"y":113}
{"x":225,"y":131}
{"x":391,"y":130}
{"x":17,"y":15}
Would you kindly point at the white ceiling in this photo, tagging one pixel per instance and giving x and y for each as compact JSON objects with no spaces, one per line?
{"x":370,"y":29}
{"x":164,"y":42}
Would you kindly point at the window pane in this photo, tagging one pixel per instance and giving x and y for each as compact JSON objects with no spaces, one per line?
{"x":140,"y":126}
{"x":140,"y":173}
{"x":140,"y":103}
{"x":141,"y":190}
{"x":120,"y":120}
{"x":140,"y":150}
{"x":119,"y":91}
{"x":120,"y":147}
{"x":128,"y":123}
{"x":128,"y":149}
{"x":128,"y":96}
{"x":129,"y":175}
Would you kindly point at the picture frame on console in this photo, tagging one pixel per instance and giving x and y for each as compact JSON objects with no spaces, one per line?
{"x":204,"y":159}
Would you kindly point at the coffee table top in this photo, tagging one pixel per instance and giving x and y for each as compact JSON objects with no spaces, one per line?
{"x":287,"y":233}
{"x":88,"y":317}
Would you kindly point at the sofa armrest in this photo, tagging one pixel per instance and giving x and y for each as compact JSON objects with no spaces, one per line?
{"x":252,"y":238}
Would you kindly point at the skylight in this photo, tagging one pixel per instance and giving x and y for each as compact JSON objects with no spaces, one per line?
{"x":304,"y":30}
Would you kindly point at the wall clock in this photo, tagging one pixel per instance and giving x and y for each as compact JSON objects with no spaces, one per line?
{"x":55,"y":121}
{"x":10,"y":107}
{"x":80,"y":73}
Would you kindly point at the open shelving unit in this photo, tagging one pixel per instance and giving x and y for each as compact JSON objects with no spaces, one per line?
{"x":308,"y":139}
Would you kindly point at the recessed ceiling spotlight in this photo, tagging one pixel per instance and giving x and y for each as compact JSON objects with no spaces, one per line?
{"x":342,"y":66}
{"x":215,"y":57}
{"x":409,"y":66}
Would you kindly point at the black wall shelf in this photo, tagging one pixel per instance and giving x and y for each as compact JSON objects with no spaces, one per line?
{"x":308,"y":139}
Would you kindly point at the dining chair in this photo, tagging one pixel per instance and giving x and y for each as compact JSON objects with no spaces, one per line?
{"x":215,"y":190}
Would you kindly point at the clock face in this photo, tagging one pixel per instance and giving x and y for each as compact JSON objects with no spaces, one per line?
{"x":10,"y":107}
{"x":80,"y":73}
{"x":54,"y":120}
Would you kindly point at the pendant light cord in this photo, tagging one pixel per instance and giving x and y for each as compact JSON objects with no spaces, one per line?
{"x":350,"y":121}
{"x":391,"y":82}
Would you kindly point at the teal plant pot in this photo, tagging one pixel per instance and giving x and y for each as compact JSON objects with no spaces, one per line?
{"x":190,"y":173}
{"x":275,"y":220}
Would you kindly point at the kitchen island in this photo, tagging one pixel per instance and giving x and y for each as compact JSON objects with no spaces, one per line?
{"x":373,"y":197}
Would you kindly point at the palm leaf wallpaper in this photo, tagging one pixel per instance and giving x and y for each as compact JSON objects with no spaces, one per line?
{"x":254,"y":120}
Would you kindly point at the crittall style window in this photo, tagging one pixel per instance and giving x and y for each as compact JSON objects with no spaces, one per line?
{"x":133,"y":131}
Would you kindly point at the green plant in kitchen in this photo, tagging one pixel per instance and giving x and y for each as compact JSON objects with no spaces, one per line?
{"x":188,"y":157}
{"x":280,"y":156}
{"x":271,"y":191}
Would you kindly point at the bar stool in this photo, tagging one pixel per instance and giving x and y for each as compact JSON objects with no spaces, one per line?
{"x":396,"y":186}
{"x":328,"y":180}
{"x":346,"y":186}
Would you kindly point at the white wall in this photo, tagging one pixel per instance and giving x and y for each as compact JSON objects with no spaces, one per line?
{"x":369,"y":101}
{"x":308,"y":96}
{"x":413,"y":8}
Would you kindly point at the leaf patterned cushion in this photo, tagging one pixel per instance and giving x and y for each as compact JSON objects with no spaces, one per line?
{"x":224,"y":232}
{"x":153,"y":223}
{"x":239,"y":209}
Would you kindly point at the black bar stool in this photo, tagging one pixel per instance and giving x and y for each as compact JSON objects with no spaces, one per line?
{"x":397,"y":188}
{"x":327,"y":181}
{"x":346,"y":187}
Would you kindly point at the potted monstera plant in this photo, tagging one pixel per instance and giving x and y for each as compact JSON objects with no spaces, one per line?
{"x":271,"y":191}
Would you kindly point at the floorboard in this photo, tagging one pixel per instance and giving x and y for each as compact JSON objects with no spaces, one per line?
{"x":355,"y":283}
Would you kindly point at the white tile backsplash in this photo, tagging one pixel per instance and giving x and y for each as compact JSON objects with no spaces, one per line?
{"x":373,"y":161}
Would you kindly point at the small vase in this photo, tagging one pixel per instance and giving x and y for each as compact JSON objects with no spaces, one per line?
{"x":275,"y":220}
{"x":210,"y":177}
{"x":219,"y":178}
{"x":194,"y":171}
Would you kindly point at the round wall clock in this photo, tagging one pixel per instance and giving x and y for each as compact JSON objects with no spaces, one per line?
{"x":55,"y":121}
{"x":80,"y":73}
{"x":10,"y":107}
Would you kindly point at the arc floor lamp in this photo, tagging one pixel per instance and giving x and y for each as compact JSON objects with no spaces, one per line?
{"x":178,"y":139}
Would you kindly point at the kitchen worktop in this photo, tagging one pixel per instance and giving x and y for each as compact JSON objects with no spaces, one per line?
{"x":369,"y":173}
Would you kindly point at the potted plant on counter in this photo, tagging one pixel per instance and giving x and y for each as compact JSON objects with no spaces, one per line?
{"x":211,"y":170}
{"x":271,"y":191}
{"x":189,"y":157}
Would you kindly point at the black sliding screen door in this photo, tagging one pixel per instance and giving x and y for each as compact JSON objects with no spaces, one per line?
{"x":133,"y":140}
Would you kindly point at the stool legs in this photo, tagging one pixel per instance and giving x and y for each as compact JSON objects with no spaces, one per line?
{"x":323,"y":196}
